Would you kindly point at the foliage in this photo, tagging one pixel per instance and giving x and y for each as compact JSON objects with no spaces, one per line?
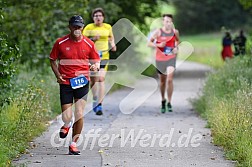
{"x":36,"y":24}
{"x":249,"y":43}
{"x":135,"y":11}
{"x":209,"y":15}
{"x":230,"y":122}
{"x":246,"y":4}
{"x":44,"y":81}
{"x":8,"y":59}
{"x":9,"y":55}
{"x":33,"y":100}
{"x":21,"y":120}
{"x":226,"y":103}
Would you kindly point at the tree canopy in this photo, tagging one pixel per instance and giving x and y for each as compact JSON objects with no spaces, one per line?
{"x":196,"y":16}
{"x":35,"y":24}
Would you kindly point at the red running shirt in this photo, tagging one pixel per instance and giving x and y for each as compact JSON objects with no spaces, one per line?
{"x":165,"y":53}
{"x":74,"y":56}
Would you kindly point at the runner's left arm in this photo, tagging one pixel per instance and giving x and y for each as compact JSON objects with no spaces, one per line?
{"x":176,"y":48}
{"x":177,"y":37}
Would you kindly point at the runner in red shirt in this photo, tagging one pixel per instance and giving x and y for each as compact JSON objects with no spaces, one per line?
{"x":167,"y":39}
{"x":76,"y":54}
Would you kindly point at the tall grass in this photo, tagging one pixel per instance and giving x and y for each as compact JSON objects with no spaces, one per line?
{"x":32,"y":102}
{"x":21,"y":120}
{"x":227,"y":104}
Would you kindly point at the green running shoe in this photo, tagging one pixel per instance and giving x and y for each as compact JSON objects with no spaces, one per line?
{"x":163,"y":106}
{"x":169,"y":107}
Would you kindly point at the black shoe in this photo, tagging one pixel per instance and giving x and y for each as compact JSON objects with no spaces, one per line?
{"x":169,"y":107}
{"x":163,"y":106}
{"x":99,"y":110}
{"x":63,"y":132}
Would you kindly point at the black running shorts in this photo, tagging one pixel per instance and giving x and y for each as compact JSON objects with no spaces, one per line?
{"x":68,"y":94}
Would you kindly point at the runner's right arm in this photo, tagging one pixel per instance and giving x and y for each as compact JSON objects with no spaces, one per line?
{"x":53,"y":61}
{"x":154,"y":37}
{"x":54,"y":67}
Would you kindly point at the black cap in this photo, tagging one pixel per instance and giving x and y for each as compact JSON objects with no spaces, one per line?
{"x":76,"y":20}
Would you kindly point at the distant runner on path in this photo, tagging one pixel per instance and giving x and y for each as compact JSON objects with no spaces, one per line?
{"x":101,"y":34}
{"x":165,"y":40}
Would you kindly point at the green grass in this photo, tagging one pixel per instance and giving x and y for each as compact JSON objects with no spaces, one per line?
{"x":207,"y":49}
{"x":227,"y":105}
{"x":33,"y":101}
{"x":21,"y":120}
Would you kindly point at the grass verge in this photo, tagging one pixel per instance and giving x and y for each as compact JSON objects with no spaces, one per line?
{"x":32,"y":102}
{"x":227,"y":104}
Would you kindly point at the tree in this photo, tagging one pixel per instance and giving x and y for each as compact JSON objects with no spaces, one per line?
{"x":195,"y":16}
{"x":246,"y":4}
{"x":36,"y":24}
{"x":9,"y":54}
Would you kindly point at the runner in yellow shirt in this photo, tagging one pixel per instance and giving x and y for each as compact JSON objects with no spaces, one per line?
{"x":102,"y":35}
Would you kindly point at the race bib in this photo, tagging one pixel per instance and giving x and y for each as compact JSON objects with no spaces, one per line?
{"x":78,"y":82}
{"x":168,"y":50}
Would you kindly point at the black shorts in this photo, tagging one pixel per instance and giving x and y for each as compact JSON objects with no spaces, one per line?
{"x":68,"y":94}
{"x":104,"y":63}
{"x":162,"y":65}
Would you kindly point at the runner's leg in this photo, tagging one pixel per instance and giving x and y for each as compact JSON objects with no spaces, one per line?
{"x":102,"y":85}
{"x":170,"y":73}
{"x":78,"y":117}
{"x":162,"y":85}
{"x":66,"y":113}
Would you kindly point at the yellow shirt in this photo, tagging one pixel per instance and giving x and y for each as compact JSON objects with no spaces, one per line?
{"x":104,"y":31}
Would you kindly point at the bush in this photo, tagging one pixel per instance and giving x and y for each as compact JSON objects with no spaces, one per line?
{"x":9,"y":55}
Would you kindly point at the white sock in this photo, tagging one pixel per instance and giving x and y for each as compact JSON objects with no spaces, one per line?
{"x":73,"y":144}
{"x":67,"y":125}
